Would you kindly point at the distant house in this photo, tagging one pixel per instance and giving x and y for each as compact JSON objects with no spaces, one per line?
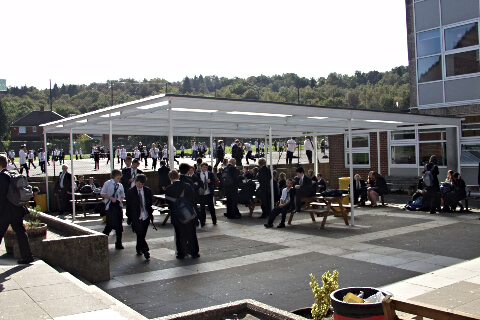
{"x":28,"y":127}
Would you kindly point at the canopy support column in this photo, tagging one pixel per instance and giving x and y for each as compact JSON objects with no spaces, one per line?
{"x":459,"y":151}
{"x":45,"y":150}
{"x":211,"y":149}
{"x":73,"y":175}
{"x":378,"y":152}
{"x":271,"y":168}
{"x":315,"y":155}
{"x":170,"y":140}
{"x":350,"y":157}
{"x":110,"y":143}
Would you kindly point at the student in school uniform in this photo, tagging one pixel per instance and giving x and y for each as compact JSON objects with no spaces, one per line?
{"x":123,"y":156}
{"x":41,"y":160}
{"x":139,"y":212}
{"x":113,"y":193}
{"x":286,"y":205}
{"x":154,"y":155}
{"x":22,"y":154}
{"x":207,"y":199}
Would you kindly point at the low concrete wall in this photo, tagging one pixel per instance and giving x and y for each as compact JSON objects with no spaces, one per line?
{"x":84,"y":253}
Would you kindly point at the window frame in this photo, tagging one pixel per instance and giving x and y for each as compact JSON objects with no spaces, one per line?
{"x":357,"y":150}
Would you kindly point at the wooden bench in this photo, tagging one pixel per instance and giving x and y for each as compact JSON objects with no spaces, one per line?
{"x":84,"y":199}
{"x":419,"y":310}
{"x":163,"y":210}
{"x":312,"y":207}
{"x":250,"y":206}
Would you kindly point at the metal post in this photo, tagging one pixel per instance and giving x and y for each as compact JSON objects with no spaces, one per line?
{"x":315,"y":155}
{"x":110,"y":142}
{"x":73,"y":175}
{"x":170,"y":139}
{"x":211,"y":150}
{"x":46,"y":170}
{"x":459,"y":150}
{"x":271,"y":168}
{"x":378,"y":152}
{"x":350,"y":156}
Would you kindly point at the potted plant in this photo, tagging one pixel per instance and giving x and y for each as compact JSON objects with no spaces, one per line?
{"x":322,"y":308}
{"x":36,"y":230}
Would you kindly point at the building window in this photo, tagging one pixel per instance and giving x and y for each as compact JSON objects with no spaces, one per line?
{"x":403,"y":155}
{"x":360,"y":151}
{"x":428,"y":43}
{"x":429,"y":69}
{"x":22,"y":129}
{"x":432,"y":134}
{"x":470,"y":154}
{"x":461,"y":36}
{"x":462,"y":63}
{"x":471,"y":126}
{"x":426,"y":150}
{"x":403,"y":135}
{"x":34,"y":129}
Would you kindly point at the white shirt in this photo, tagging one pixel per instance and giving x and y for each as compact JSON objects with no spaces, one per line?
{"x":23,"y":156}
{"x":80,"y":151}
{"x":182,"y":148}
{"x":123,"y":153}
{"x":108,"y":189}
{"x":307,"y":144}
{"x":11,"y":154}
{"x":284,"y":195}
{"x":291,"y":145}
{"x":133,"y":175}
{"x":76,"y":151}
{"x":30,"y":156}
{"x":41,"y":156}
{"x":137,"y":154}
{"x":248,"y":146}
{"x":143,"y":211}
{"x":194,"y":147}
{"x":204,"y":177}
{"x":256,"y":144}
{"x":154,"y":153}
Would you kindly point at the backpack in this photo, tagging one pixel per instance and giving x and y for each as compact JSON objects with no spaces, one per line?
{"x":227,"y":179}
{"x":428,"y":179}
{"x":19,"y":191}
{"x":183,"y":208}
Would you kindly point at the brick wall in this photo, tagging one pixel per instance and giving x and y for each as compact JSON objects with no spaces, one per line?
{"x":337,"y":158}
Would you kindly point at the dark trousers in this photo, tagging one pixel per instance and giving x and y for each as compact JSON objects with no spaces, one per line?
{"x":302,"y":193}
{"x":154,"y":163}
{"x":362,"y":193}
{"x":141,"y":228}
{"x":64,"y":200}
{"x":289,"y":157}
{"x":435,"y":199}
{"x":42,"y":166}
{"x":276,"y":211}
{"x":24,"y":166}
{"x":15,"y":219}
{"x":309,"y":155}
{"x":232,"y":202}
{"x":239,"y":161}
{"x":207,"y":200}
{"x":266,"y":202}
{"x":219,"y":160}
{"x":185,"y":237}
{"x":121,"y":163}
{"x":114,"y":216}
{"x":30,"y":163}
{"x":249,"y":156}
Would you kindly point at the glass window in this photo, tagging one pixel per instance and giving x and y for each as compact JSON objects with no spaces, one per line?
{"x":433,"y":134}
{"x":470,"y":154}
{"x":461,"y":36}
{"x":403,"y":135}
{"x":462,"y":63}
{"x":34,"y":129}
{"x":359,"y":158}
{"x":471,"y":126}
{"x":22,"y":129}
{"x":359,"y":141}
{"x":428,"y":43}
{"x":426,"y":150}
{"x":403,"y":155}
{"x":429,"y":69}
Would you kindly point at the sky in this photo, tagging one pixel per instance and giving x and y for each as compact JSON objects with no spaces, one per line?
{"x":80,"y":42}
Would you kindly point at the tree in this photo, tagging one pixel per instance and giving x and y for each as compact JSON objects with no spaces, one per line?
{"x":186,"y":86}
{"x":3,"y":121}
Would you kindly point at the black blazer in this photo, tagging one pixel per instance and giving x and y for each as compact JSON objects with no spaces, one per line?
{"x":133,"y":203}
{"x":247,"y":191}
{"x":6,"y":208}
{"x":163,"y":180}
{"x":211,"y":185}
{"x":264,"y":176}
{"x":126,"y":176}
{"x":174,"y":191}
{"x":220,"y":152}
{"x":67,"y":182}
{"x":308,"y":188}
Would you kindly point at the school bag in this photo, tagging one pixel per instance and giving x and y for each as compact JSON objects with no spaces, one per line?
{"x":183,"y":208}
{"x":428,"y":179}
{"x":19,"y":191}
{"x":227,"y":178}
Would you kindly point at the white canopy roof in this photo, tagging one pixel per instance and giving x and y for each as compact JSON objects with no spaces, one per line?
{"x":202,"y":116}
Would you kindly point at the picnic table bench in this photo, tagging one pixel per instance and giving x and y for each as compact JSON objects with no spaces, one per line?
{"x":84,"y":199}
{"x":161,"y":208}
{"x":316,"y":206}
{"x":251,"y":206}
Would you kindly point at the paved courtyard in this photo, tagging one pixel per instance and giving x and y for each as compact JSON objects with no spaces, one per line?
{"x":241,"y":259}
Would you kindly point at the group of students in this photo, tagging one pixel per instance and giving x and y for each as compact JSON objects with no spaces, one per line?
{"x":374,"y":187}
{"x":431,"y":194}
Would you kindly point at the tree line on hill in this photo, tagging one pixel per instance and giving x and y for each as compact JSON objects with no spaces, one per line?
{"x":372,"y":90}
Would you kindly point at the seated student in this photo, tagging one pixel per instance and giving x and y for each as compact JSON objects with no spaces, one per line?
{"x":458,"y":193}
{"x":32,"y":203}
{"x":380,"y":188}
{"x":420,"y":188}
{"x":321,"y":184}
{"x":360,"y":190}
{"x":92,"y":183}
{"x":80,"y":183}
{"x":255,"y":173}
{"x":247,"y":191}
{"x":304,"y":188}
{"x":286,"y":205}
{"x":282,"y":181}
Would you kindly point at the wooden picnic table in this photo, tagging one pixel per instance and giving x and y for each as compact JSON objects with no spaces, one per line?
{"x":324,"y":207}
{"x":83,"y":199}
{"x":162,"y":208}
